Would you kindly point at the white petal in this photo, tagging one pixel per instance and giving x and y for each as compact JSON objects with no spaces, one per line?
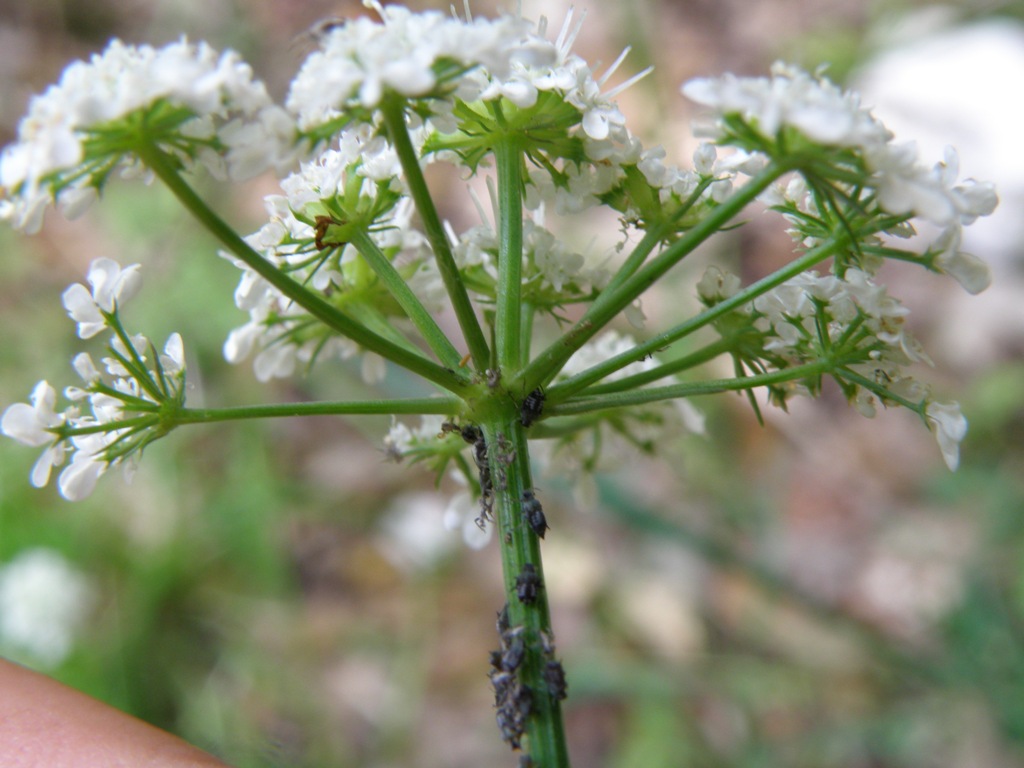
{"x":174,"y":350}
{"x":78,"y":480}
{"x":81,"y":308}
{"x":48,"y":459}
{"x":19,"y":422}
{"x":949,"y":427}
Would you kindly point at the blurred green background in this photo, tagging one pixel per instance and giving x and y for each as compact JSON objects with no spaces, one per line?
{"x":816,"y":592}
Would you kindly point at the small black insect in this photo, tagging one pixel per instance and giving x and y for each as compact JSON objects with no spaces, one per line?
{"x":513,"y":655}
{"x":510,"y":726}
{"x":523,"y":700}
{"x":547,"y":644}
{"x":473,"y":435}
{"x":504,"y":684}
{"x":554,"y":678}
{"x":533,"y":513}
{"x":527,"y":584}
{"x":532,"y":407}
{"x":502,"y":624}
{"x":504,"y":452}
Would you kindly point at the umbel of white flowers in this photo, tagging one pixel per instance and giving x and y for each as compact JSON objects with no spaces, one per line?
{"x":342,"y":244}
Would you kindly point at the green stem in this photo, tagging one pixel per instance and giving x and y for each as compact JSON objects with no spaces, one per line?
{"x":510,"y":254}
{"x":529,"y":619}
{"x":689,"y":389}
{"x":407,"y":300}
{"x":611,"y":302}
{"x":393,"y":112}
{"x":330,"y":315}
{"x":442,"y":406}
{"x":709,"y":352}
{"x":596,"y":373}
{"x":636,"y":257}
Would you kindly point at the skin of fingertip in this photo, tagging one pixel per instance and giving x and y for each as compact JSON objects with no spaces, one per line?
{"x":44,"y":724}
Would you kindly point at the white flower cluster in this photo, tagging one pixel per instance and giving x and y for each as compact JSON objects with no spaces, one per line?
{"x":854,"y":319}
{"x":358,"y":183}
{"x":412,"y":54}
{"x":99,"y":428}
{"x":44,"y":601}
{"x":71,"y":139}
{"x":553,"y":274}
{"x":792,"y":99}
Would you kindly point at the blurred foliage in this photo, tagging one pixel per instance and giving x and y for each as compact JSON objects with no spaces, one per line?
{"x":250,"y":601}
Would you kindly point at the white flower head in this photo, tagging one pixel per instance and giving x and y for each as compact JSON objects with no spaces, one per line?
{"x":405,"y":53}
{"x":215,"y":91}
{"x":791,"y":97}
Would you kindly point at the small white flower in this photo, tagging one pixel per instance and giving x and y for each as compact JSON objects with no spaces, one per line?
{"x":85,"y":367}
{"x":971,"y":272}
{"x":173,"y":358}
{"x":949,"y":427}
{"x":111,"y":284}
{"x":716,"y":285}
{"x":30,"y":425}
{"x":78,"y":480}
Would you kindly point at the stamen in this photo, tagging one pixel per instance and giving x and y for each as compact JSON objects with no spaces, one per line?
{"x":632,"y":81}
{"x":492,"y":192}
{"x":479,"y":204}
{"x":566,"y":37}
{"x":615,"y":65}
{"x":453,"y":239}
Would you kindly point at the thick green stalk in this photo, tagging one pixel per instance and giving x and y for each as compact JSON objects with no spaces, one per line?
{"x":528,"y":614}
{"x":510,"y":254}
{"x":330,"y":315}
{"x":407,"y":300}
{"x":393,"y":112}
{"x":611,"y":302}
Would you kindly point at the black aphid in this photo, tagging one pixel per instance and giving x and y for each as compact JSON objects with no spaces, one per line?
{"x":533,"y":513}
{"x":510,"y":726}
{"x":513,"y":655}
{"x":502,"y":624}
{"x":523,"y":700}
{"x":527,"y":584}
{"x":532,"y":407}
{"x":554,"y":679}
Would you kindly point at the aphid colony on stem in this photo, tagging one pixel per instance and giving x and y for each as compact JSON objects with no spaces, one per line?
{"x":513,"y":700}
